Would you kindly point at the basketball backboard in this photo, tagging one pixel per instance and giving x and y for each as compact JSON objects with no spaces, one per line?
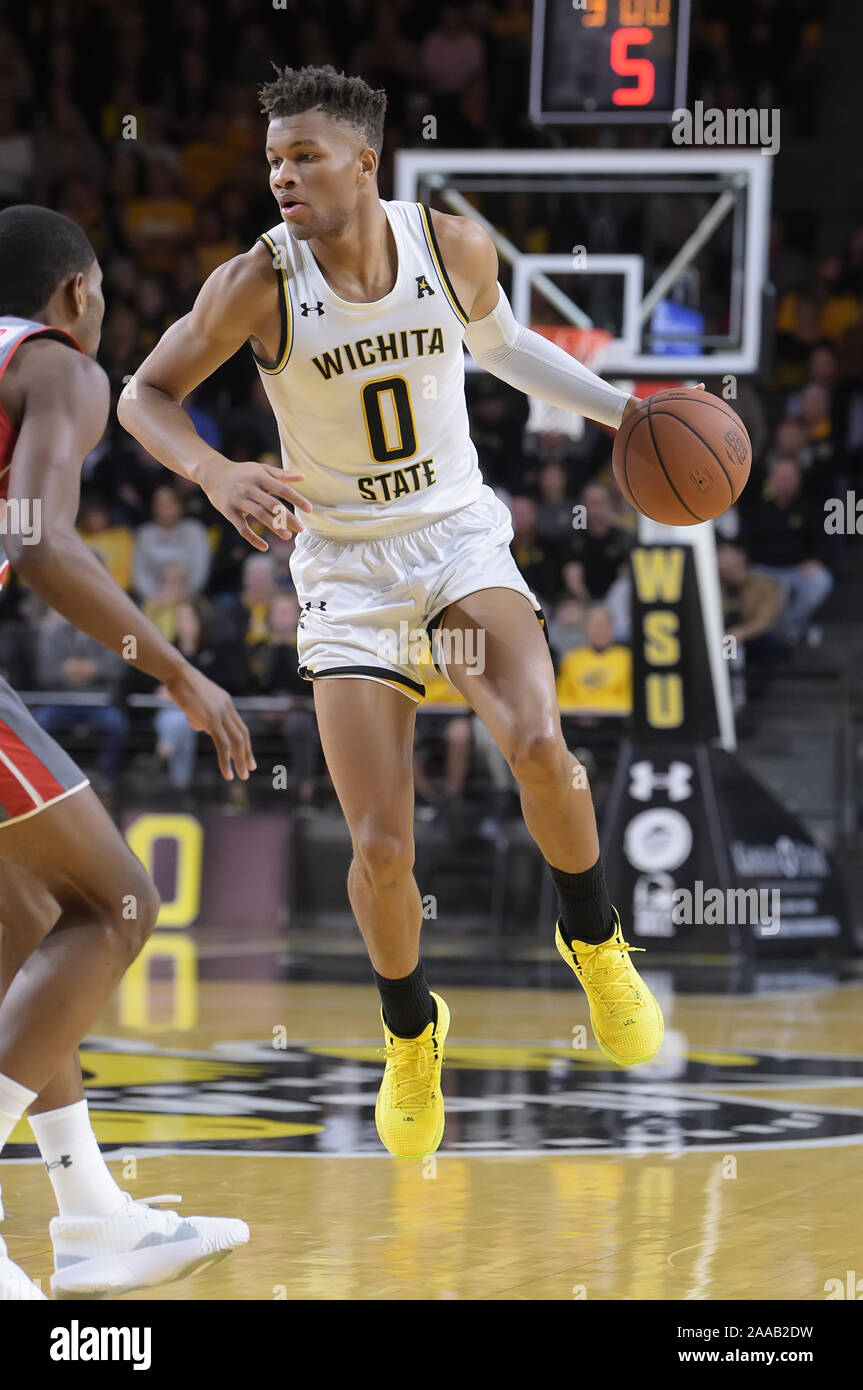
{"x":665,"y":249}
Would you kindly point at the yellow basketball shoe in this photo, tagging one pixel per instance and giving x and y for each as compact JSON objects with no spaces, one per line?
{"x":625,"y":1017}
{"x":409,"y":1112}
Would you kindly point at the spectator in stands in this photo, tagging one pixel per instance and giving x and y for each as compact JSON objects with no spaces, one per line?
{"x":125,"y":474}
{"x":596,"y":678}
{"x":387,"y":58}
{"x":813,"y":412}
{"x":823,"y":371}
{"x":163,"y":606}
{"x":789,"y":441}
{"x":498,"y":415}
{"x":751,"y":605}
{"x":539,"y":560}
{"x":452,"y":56}
{"x":170,"y":539}
{"x":207,"y":160}
{"x":176,"y":740}
{"x":115,"y":545}
{"x":244,"y":618}
{"x":214,"y":244}
{"x":618,"y":601}
{"x":17,"y":152}
{"x":840,"y":303}
{"x":783,"y":535}
{"x":797,"y":332}
{"x":151,"y":311}
{"x":566,"y":627}
{"x":70,"y":663}
{"x":554,"y":518}
{"x":279,"y":672}
{"x":162,"y":223}
{"x":461,"y":734}
{"x":119,"y":351}
{"x":598,"y":549}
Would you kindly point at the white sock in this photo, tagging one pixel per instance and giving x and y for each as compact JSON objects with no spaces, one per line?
{"x":14,"y":1099}
{"x":82,"y":1183}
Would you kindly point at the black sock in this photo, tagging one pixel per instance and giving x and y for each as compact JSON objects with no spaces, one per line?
{"x":407,"y":1003}
{"x":586,"y":913}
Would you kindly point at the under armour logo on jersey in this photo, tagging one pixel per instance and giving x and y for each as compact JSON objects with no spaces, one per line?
{"x":423,"y":286}
{"x":312,"y":308}
{"x":320,"y":604}
{"x":644,"y":781}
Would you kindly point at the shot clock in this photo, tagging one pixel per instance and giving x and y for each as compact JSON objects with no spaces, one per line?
{"x":608,"y":60}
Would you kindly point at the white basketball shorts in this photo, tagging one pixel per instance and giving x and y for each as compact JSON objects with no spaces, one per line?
{"x":372,"y":607}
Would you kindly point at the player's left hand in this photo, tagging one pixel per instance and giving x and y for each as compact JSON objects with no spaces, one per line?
{"x":210,"y":709}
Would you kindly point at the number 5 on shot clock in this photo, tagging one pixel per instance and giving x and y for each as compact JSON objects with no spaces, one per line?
{"x":608,"y":60}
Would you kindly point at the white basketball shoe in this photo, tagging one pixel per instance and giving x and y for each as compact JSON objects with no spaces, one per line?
{"x":136,"y":1247}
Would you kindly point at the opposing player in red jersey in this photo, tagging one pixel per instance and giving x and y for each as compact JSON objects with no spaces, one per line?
{"x":77,"y":906}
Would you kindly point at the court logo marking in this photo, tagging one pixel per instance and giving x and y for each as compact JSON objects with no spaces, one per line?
{"x":319,"y":1097}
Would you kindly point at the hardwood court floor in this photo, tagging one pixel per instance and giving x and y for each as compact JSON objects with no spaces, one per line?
{"x":727,"y":1168}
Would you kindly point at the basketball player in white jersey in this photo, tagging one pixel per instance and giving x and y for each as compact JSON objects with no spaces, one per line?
{"x":356,"y":311}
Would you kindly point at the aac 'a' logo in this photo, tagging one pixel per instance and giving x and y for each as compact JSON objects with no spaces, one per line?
{"x":315,"y":1097}
{"x":423,"y":286}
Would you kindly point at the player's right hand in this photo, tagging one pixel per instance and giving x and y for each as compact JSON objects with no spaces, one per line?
{"x":210,"y":708}
{"x":259,"y":490}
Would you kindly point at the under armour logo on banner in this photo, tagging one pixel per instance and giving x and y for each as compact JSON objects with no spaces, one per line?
{"x":644,"y":781}
{"x":423,"y":286}
{"x":312,"y":308}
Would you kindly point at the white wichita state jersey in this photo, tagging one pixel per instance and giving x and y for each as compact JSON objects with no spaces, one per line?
{"x":369,"y":398}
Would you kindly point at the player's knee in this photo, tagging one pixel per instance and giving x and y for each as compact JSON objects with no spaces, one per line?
{"x":382,"y":856}
{"x":538,"y":757}
{"x":131,"y":920}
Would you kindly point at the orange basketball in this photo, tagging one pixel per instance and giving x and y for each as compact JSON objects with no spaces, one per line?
{"x":682,"y":457}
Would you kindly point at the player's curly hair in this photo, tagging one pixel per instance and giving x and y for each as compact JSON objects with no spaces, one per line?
{"x":347,"y":99}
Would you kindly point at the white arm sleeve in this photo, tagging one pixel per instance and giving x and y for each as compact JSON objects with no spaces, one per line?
{"x":525,"y":359}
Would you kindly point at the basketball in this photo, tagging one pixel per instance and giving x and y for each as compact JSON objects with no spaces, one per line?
{"x":682,"y":457}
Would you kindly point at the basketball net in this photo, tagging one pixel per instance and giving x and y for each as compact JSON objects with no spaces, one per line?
{"x":588,"y":345}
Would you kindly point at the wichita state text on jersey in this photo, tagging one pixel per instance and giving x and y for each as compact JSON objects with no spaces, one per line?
{"x":369,"y":398}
